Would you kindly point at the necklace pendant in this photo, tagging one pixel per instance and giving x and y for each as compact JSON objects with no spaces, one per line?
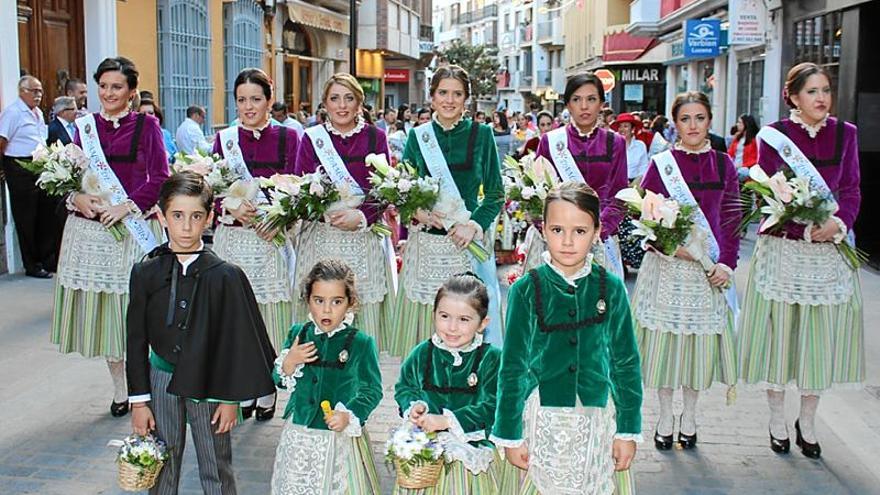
{"x":343,"y":356}
{"x":472,"y":380}
{"x":600,"y":306}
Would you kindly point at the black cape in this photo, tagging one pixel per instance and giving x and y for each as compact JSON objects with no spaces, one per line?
{"x":214,"y":334}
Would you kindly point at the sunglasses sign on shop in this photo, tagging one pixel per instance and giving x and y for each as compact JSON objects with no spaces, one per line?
{"x":702,"y":38}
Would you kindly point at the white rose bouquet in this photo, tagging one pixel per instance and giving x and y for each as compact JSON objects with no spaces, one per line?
{"x":216,"y":171}
{"x":400,"y":187}
{"x":526,"y":184}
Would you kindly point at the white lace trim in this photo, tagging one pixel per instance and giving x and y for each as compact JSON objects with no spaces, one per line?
{"x":456,"y":353}
{"x":349,"y":317}
{"x":456,"y":429}
{"x":587,"y":134}
{"x":475,"y":459}
{"x":288,"y":382}
{"x":311,"y":461}
{"x":115,"y":118}
{"x":813,"y":130}
{"x":257,"y":131}
{"x":354,"y":428}
{"x":706,"y":147}
{"x":840,"y":236}
{"x":631,"y":437}
{"x":572,"y":280}
{"x":502,"y":442}
{"x":451,"y":127}
{"x":411,"y":406}
{"x":726,"y":269}
{"x":359,"y":125}
{"x":428,"y":261}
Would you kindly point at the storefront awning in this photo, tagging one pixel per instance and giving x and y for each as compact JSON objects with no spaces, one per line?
{"x":317,"y":17}
{"x":624,"y":47}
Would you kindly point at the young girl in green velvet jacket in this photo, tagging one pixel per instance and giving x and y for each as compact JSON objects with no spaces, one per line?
{"x":569,"y":347}
{"x":332,"y":372}
{"x":448,"y":384}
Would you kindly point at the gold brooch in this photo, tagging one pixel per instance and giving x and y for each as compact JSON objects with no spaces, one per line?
{"x":472,"y":380}
{"x":343,"y":356}
{"x":600,"y":306}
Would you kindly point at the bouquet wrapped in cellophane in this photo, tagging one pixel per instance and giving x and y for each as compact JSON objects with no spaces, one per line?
{"x":400,"y":187}
{"x":526,"y":184}
{"x":216,"y":170}
{"x":659,"y":222}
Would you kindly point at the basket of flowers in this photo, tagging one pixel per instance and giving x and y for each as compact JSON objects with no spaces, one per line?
{"x":417,"y":456}
{"x":140,"y":460}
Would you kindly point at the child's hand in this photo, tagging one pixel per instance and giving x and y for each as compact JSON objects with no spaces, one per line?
{"x":518,"y":456}
{"x":225,"y":417}
{"x":142,"y":421}
{"x":623,"y":452}
{"x":433,"y":422}
{"x":298,"y":355}
{"x":338,"y":421}
{"x":416,"y":412}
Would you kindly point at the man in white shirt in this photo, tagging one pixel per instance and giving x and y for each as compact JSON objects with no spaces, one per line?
{"x":279,"y":113}
{"x":189,"y":135}
{"x":22,"y":130}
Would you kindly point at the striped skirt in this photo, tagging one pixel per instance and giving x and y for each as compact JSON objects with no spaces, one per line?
{"x":91,"y":303}
{"x":455,"y":479}
{"x":811,"y":347}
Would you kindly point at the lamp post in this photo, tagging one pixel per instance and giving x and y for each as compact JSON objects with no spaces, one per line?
{"x":352,"y":37}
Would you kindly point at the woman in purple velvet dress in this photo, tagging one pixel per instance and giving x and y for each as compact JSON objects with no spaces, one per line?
{"x":802,"y":322}
{"x":262,"y":149}
{"x":582,"y":151}
{"x":91,"y":290}
{"x":340,"y":147}
{"x":682,"y":306}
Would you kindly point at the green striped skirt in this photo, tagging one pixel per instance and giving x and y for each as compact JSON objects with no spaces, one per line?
{"x":812,"y":347}
{"x":455,"y":479}
{"x":413,"y":323}
{"x":278,"y":319}
{"x":91,"y":289}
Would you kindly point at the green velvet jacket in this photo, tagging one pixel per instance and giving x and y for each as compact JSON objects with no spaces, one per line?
{"x":571,"y":343}
{"x":473,"y":163}
{"x":356,"y":383}
{"x":428,"y":375}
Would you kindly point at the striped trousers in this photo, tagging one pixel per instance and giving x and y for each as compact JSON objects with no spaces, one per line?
{"x":214,"y":452}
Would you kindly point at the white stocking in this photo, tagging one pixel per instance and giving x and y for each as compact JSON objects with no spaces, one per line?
{"x":664,"y":426}
{"x":688,"y":424}
{"x":266,"y":401}
{"x":117,"y":372}
{"x":807,"y":418}
{"x":776,"y":401}
{"x":247,"y":403}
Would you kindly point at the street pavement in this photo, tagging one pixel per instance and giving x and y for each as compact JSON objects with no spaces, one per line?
{"x":55,"y":424}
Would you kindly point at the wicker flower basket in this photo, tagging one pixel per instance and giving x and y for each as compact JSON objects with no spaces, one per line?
{"x":134,"y":478}
{"x":422,"y":476}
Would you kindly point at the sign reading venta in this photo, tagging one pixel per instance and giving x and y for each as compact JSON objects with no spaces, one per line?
{"x":702,"y":38}
{"x":747,"y":18}
{"x":396,"y":75}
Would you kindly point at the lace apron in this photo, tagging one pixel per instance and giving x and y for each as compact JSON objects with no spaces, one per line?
{"x":801,"y":272}
{"x":311,"y":462}
{"x":535,"y":245}
{"x":263,"y":263}
{"x":429,"y":260}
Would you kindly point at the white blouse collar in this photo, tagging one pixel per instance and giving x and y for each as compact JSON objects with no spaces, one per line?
{"x":572,"y":280}
{"x":360,"y":123}
{"x":115,"y":118}
{"x":588,"y":133}
{"x":812,"y":130}
{"x":456,"y":353}
{"x":257,"y":131}
{"x":451,"y":127}
{"x":707,"y":146}
{"x":349,"y":317}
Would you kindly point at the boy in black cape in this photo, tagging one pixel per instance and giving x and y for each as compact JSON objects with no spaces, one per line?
{"x":197,"y":344}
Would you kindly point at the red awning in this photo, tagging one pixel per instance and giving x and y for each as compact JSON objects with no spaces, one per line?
{"x":624,"y":47}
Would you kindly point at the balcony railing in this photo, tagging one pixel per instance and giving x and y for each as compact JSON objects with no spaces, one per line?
{"x":477,"y":15}
{"x":525,"y":81}
{"x":551,"y":32}
{"x":525,"y":34}
{"x":544,"y":78}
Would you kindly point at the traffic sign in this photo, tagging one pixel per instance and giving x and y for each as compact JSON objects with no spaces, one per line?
{"x":607,"y":78}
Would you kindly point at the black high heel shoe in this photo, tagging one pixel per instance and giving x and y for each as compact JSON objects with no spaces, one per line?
{"x":266,"y":413}
{"x":118,"y":409}
{"x":662,"y":442}
{"x":247,"y":411}
{"x":687,"y":442}
{"x":811,"y":450}
{"x":780,"y":446}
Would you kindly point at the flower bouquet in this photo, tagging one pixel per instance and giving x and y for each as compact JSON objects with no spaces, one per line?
{"x":64,"y":169}
{"x":417,"y":455}
{"x":788,"y":198}
{"x":216,"y":171}
{"x":140,"y":460}
{"x":526,"y":184}
{"x":400,"y":187}
{"x":293,"y":198}
{"x":662,"y":223}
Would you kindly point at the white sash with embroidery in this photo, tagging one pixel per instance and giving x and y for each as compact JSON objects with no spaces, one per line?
{"x":796,"y":160}
{"x":487,"y":271}
{"x":330,"y":159}
{"x":88,"y":132}
{"x":234,"y":157}
{"x":678,"y":190}
{"x":569,"y":171}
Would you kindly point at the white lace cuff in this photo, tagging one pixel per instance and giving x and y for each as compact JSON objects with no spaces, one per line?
{"x":363,"y":224}
{"x":413,"y":404}
{"x":632,"y":437}
{"x":728,"y":270}
{"x":502,"y":442}
{"x":68,"y":202}
{"x":840,"y":236}
{"x":354,"y":428}
{"x":288,"y":381}
{"x":458,"y":432}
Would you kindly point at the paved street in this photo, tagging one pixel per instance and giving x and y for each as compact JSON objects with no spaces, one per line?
{"x":55,"y":424}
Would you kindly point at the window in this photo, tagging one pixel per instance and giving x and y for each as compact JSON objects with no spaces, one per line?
{"x":184,"y":59}
{"x":392,"y":16}
{"x":750,"y":88}
{"x":242,"y":44}
{"x":681,"y":79}
{"x":817,"y":40}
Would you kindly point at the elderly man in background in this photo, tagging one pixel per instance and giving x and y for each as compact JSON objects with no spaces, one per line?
{"x":62,"y":127}
{"x":22,"y":129}
{"x":189,"y":135}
